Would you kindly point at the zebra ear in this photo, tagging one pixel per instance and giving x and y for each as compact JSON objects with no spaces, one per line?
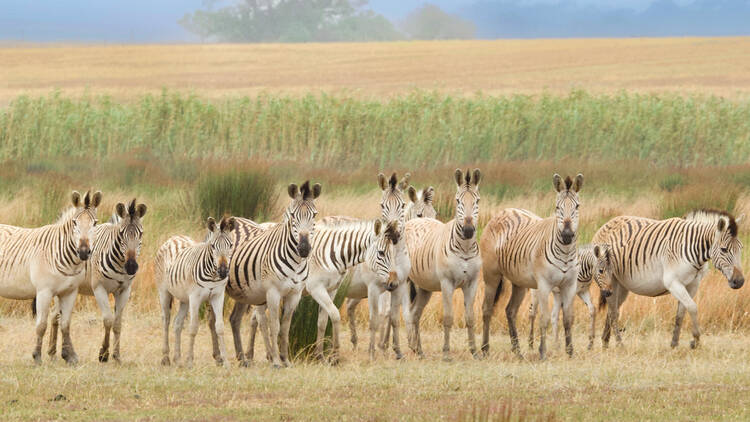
{"x":96,"y":199}
{"x":227,"y":224}
{"x":316,"y":190}
{"x":378,"y":227}
{"x":404,"y":183}
{"x":293,"y":190}
{"x":393,"y":181}
{"x":722,"y":224}
{"x":87,"y":199}
{"x":557,"y":181}
{"x":76,"y":199}
{"x":412,"y":194}
{"x":428,"y":194}
{"x":211,"y":224}
{"x":459,"y":176}
{"x":381,"y":181}
{"x":141,"y":210}
{"x":477,"y":177}
{"x":120,"y":209}
{"x":578,"y":183}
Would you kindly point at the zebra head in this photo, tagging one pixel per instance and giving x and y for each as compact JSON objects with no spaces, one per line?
{"x":726,"y":250}
{"x":84,"y":221}
{"x":301,"y":215}
{"x":421,"y":203}
{"x":130,"y":233}
{"x":392,"y":204}
{"x":566,"y":206}
{"x":382,"y":261}
{"x":603,"y":269}
{"x":467,"y":202}
{"x":221,"y":240}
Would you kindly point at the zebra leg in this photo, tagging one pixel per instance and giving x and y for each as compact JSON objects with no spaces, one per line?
{"x":511,"y":310}
{"x":492,"y":286}
{"x":165,"y":300}
{"x":470,"y":291}
{"x":623,"y":294}
{"x":555,"y":314}
{"x":121,"y":301}
{"x":43,"y":300}
{"x":372,"y":302}
{"x":686,"y":300}
{"x":327,"y":310}
{"x":290,"y":304}
{"x":250,"y":352}
{"x":542,"y":293}
{"x":613,"y":304}
{"x":447,"y":290}
{"x":384,"y":320}
{"x":416,"y":309}
{"x":260,"y":315}
{"x":566,"y":297}
{"x":211,"y":324}
{"x":586,"y":298}
{"x":194,"y":302}
{"x":179,"y":320}
{"x":66,"y":311}
{"x":533,"y":308}
{"x":320,"y":338}
{"x":55,"y":325}
{"x":102,"y":299}
{"x":273,"y":301}
{"x":351,"y":306}
{"x":217,"y":305}
{"x":235,"y":321}
{"x":399,"y":298}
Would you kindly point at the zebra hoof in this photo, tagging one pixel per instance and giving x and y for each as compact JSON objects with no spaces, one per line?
{"x":37,"y":358}
{"x":447,"y":358}
{"x":165,"y":361}
{"x":694,"y":344}
{"x":103,"y":355}
{"x":245,"y":363}
{"x":591,"y":345}
{"x":399,"y":355}
{"x":71,"y":360}
{"x":674,"y":344}
{"x":276,"y":366}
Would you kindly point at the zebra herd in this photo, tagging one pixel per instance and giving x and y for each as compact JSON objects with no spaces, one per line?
{"x":396,"y":261}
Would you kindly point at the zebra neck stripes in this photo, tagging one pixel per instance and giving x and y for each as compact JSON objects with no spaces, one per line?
{"x":557,"y":253}
{"x":457,"y":245}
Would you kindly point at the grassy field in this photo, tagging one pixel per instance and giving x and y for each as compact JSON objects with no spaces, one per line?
{"x":695,"y":65}
{"x":657,"y":126}
{"x":645,"y":380}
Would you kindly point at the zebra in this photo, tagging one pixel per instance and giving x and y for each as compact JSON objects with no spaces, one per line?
{"x":111,"y":270}
{"x":193,"y":273}
{"x":420,"y":206}
{"x":656,"y":257}
{"x":445,"y":257}
{"x":533,"y":253}
{"x":593,"y":262}
{"x":44,"y":262}
{"x":271,"y":265}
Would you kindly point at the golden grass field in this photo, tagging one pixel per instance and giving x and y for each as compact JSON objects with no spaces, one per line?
{"x":718,"y":66}
{"x":646,"y":380}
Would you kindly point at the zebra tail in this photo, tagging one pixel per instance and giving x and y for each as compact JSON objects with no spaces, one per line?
{"x":33,"y":307}
{"x":602,"y":301}
{"x":412,"y":292}
{"x":498,"y":291}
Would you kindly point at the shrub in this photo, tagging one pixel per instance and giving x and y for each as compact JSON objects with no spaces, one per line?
{"x":246,"y":193}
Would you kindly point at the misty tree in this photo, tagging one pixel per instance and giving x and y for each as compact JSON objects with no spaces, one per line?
{"x":289,"y":21}
{"x":429,"y":22}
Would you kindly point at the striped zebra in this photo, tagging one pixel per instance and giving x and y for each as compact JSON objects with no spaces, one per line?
{"x":271,"y":266}
{"x":111,"y":270}
{"x":593,"y":262}
{"x":533,"y":253}
{"x":445,"y":257}
{"x":656,"y":257}
{"x":420,"y":206}
{"x":45,"y":262}
{"x":193,"y":273}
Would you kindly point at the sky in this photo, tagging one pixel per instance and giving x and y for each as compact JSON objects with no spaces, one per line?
{"x":156,"y":20}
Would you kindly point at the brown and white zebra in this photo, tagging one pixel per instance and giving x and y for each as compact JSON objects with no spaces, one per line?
{"x":533,"y":253}
{"x":110,"y":270}
{"x":420,"y":203}
{"x":445,"y":257}
{"x":270,"y":266}
{"x":593,"y":265}
{"x":655,"y":257}
{"x":193,"y":273}
{"x":45,"y":262}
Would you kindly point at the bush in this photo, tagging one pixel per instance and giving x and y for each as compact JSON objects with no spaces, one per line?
{"x":244,"y":193}
{"x":684,"y":200}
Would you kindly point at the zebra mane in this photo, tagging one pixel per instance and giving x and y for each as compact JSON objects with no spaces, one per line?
{"x":115,"y":219}
{"x":709,"y":215}
{"x":66,"y":215}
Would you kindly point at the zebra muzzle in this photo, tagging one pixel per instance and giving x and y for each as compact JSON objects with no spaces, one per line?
{"x":84,"y":252}
{"x":392,"y":282}
{"x":303,"y":248}
{"x":131,"y":266}
{"x":606,"y":293}
{"x":567,"y":236}
{"x":737,"y":279}
{"x":468,"y":229}
{"x":223,"y":271}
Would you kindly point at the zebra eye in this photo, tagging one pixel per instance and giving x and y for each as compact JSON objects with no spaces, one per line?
{"x":724,"y":250}
{"x":381,"y":253}
{"x":601,"y":270}
{"x":576,"y":206}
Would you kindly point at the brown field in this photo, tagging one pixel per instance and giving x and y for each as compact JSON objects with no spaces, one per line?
{"x":718,"y":66}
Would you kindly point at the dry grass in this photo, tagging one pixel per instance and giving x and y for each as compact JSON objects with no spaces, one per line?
{"x":645,"y":380}
{"x":688,"y":65}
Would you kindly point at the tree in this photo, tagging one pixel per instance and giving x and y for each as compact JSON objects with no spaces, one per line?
{"x":429,"y":22}
{"x":290,"y":21}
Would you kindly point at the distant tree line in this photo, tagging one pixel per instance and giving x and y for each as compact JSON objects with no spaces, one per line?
{"x":318,"y":21}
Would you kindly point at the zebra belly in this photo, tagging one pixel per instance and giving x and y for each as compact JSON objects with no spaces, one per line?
{"x":645,"y":286}
{"x":358,"y":285}
{"x":18,"y":288}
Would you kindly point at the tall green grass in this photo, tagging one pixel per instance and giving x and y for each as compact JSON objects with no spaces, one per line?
{"x":421,"y":129}
{"x":250,"y":193}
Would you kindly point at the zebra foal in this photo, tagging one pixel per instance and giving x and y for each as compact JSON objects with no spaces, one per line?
{"x":194,"y":272}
